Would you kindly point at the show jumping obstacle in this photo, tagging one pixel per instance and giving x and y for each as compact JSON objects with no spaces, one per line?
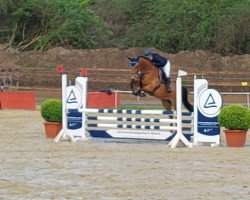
{"x":80,"y":122}
{"x":75,"y":118}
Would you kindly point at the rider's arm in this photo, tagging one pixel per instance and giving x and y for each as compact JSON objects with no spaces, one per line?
{"x":159,"y":61}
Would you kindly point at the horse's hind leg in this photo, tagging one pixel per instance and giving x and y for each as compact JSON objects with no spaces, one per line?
{"x":167,"y":104}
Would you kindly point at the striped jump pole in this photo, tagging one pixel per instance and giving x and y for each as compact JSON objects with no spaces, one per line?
{"x":135,"y":124}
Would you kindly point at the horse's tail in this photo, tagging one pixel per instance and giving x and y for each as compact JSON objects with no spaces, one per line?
{"x":185,"y":101}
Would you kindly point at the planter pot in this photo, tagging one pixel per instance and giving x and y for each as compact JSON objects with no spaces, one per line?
{"x":52,"y":129}
{"x":235,"y":138}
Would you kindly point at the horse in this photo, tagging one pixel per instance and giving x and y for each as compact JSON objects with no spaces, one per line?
{"x":146,"y":78}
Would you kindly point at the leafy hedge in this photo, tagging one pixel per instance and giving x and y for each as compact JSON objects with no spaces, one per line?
{"x":38,"y":25}
{"x":174,"y":25}
{"x":170,"y":25}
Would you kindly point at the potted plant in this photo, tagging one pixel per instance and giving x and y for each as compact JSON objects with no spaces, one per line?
{"x":236,"y":119}
{"x":51,"y":111}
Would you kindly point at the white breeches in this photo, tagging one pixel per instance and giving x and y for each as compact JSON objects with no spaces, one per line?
{"x":167,"y":69}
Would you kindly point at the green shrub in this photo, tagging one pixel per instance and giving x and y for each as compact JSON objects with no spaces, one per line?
{"x":235,"y":117}
{"x":51,"y":110}
{"x":40,"y":25}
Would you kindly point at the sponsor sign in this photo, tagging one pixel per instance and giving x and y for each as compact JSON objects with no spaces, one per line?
{"x":208,"y":105}
{"x":139,"y":134}
{"x":74,"y":118}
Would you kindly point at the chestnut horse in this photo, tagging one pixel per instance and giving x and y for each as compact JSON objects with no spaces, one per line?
{"x":145,"y":77}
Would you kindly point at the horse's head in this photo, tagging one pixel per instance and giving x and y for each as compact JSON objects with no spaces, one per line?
{"x":135,"y":68}
{"x":138,"y":66}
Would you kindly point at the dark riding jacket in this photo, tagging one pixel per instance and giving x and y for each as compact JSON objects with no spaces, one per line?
{"x":158,"y":60}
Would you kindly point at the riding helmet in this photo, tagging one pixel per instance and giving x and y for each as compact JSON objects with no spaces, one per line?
{"x":147,"y":52}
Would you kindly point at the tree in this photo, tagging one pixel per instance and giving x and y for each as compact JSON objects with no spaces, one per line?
{"x":39,"y":24}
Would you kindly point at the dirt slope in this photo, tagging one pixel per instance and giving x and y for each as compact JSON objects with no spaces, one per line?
{"x":108,"y":68}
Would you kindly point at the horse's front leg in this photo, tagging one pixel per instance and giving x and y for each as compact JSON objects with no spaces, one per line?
{"x":141,"y":93}
{"x":148,"y":88}
{"x":138,"y":92}
{"x":136,"y":87}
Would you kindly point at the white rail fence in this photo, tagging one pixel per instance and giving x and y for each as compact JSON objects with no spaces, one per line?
{"x":244,"y":94}
{"x":229,"y":98}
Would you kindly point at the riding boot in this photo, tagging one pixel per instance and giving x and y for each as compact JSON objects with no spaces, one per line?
{"x":168,"y":87}
{"x":167,"y":81}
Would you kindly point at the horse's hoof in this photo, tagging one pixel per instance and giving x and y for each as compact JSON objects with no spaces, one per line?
{"x":142,"y":94}
{"x":135,"y":93}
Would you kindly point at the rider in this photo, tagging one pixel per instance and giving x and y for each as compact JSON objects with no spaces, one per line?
{"x":162,"y":63}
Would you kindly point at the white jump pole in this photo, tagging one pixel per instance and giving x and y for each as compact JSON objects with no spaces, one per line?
{"x":179,"y":136}
{"x":64,"y":132}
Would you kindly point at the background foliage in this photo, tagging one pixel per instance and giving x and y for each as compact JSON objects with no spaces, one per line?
{"x":170,"y":25}
{"x":39,"y":24}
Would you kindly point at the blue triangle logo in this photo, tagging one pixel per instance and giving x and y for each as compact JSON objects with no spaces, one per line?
{"x":210,"y":103}
{"x":72,"y":97}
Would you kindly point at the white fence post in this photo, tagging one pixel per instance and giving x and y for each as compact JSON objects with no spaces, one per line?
{"x":179,"y":136}
{"x":64,"y":132}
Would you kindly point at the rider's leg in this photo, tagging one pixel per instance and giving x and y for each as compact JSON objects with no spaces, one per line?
{"x":166,"y":76}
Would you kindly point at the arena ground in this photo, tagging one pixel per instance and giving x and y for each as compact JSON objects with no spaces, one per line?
{"x":34,"y":167}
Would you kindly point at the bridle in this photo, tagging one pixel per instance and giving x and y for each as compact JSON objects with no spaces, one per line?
{"x":136,"y":78}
